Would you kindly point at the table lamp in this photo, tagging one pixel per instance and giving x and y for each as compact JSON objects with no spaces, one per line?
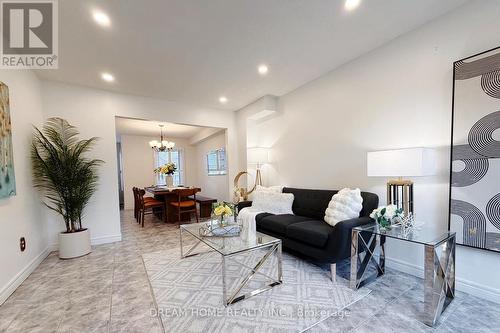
{"x":258,"y":156}
{"x":410,"y":162}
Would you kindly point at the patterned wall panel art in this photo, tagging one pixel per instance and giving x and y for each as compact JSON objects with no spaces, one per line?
{"x":475,"y":152}
{"x":7,"y":178}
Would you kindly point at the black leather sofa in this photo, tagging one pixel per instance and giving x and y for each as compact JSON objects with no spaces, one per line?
{"x":306,"y":233}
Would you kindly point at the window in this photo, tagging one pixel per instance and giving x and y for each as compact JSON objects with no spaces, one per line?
{"x":216,"y":162}
{"x":175,"y":156}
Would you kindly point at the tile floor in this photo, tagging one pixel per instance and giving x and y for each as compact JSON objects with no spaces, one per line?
{"x":108,"y":291}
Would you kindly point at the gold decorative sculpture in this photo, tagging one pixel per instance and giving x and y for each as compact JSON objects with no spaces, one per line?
{"x":258,"y":156}
{"x":241,"y":193}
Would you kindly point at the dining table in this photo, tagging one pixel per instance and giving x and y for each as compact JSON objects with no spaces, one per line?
{"x":167,"y":195}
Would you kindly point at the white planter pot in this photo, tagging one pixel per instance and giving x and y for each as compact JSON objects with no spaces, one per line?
{"x":74,"y":244}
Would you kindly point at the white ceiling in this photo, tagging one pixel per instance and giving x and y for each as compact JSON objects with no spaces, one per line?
{"x":128,"y":126}
{"x":195,"y":51}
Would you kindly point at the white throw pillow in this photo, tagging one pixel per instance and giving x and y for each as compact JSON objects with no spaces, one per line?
{"x":272,"y":202}
{"x":275,"y":189}
{"x":345,"y":205}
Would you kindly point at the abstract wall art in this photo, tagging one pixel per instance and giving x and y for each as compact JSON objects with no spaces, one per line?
{"x":7,"y":178}
{"x":475,"y":151}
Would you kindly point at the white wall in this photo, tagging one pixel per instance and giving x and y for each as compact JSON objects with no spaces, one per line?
{"x":93,"y":112}
{"x":211,"y":186}
{"x":394,"y":97}
{"x":21,"y":215}
{"x":138,"y":164}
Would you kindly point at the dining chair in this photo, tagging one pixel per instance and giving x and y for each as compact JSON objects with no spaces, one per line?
{"x":148,"y":205}
{"x":137,"y":202}
{"x":184,"y":204}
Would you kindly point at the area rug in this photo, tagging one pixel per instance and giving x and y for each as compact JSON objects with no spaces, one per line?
{"x":188,"y":294}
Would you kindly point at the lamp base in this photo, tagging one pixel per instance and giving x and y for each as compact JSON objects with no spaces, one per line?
{"x":400,"y":193}
{"x":258,"y":178}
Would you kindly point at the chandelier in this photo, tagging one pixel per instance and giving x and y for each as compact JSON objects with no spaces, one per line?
{"x":162,"y":145}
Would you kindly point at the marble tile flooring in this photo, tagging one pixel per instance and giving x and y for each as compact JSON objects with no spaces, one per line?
{"x":396,"y":304}
{"x":108,"y":291}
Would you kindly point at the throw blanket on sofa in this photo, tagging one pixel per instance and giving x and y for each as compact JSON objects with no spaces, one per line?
{"x":265,"y":200}
{"x":246,"y":218}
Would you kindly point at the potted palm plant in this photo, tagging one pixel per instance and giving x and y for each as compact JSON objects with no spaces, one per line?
{"x":67,"y":179}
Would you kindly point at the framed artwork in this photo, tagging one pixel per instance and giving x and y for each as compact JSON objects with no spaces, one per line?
{"x":7,"y":177}
{"x":475,"y":151}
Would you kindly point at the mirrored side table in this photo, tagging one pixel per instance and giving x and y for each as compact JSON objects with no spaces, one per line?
{"x":439,"y":262}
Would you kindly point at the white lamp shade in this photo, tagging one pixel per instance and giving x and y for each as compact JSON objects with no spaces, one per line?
{"x":411,"y":162}
{"x":258,"y":155}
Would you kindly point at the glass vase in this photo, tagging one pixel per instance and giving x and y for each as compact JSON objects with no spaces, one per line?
{"x":169,"y":181}
{"x":384,"y":223}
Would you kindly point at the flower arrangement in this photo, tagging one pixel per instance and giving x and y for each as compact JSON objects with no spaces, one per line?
{"x":223,"y":209}
{"x":167,"y":169}
{"x":384,"y":215}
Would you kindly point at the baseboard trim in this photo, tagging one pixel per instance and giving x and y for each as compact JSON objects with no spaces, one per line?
{"x":16,"y":281}
{"x":479,"y":290}
{"x":95,"y":241}
{"x":467,"y":286}
{"x":405,"y":267}
{"x":106,"y":239}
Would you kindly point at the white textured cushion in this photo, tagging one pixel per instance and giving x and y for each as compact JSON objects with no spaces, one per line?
{"x":275,"y":189}
{"x":272,"y":202}
{"x":345,"y":205}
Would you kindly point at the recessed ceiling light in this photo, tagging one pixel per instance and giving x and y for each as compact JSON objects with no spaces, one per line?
{"x":101,"y":18}
{"x":263,"y":69}
{"x":223,"y":99}
{"x":351,"y":4}
{"x":107,"y":77}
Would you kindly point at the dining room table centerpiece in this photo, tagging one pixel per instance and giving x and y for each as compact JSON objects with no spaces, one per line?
{"x":167,"y":170}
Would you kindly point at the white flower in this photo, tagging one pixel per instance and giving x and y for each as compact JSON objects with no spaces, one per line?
{"x":390,"y":211}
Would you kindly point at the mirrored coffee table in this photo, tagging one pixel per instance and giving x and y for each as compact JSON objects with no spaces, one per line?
{"x":439,"y":262}
{"x":263,"y":245}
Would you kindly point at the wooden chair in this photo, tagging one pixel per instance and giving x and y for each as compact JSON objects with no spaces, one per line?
{"x":137,"y":202}
{"x":184,"y":203}
{"x":147,"y":206}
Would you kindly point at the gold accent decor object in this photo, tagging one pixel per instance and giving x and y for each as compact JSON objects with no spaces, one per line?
{"x":400,"y":193}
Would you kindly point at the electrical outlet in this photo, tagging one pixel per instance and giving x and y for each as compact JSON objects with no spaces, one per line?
{"x":22,"y":244}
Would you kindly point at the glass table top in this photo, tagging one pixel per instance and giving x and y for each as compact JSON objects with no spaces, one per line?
{"x":419,"y":234}
{"x":228,"y":245}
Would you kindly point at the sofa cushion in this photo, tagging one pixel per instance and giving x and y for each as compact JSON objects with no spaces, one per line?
{"x":277,"y":223}
{"x":273,"y":202}
{"x":312,"y":232}
{"x":345,"y":205}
